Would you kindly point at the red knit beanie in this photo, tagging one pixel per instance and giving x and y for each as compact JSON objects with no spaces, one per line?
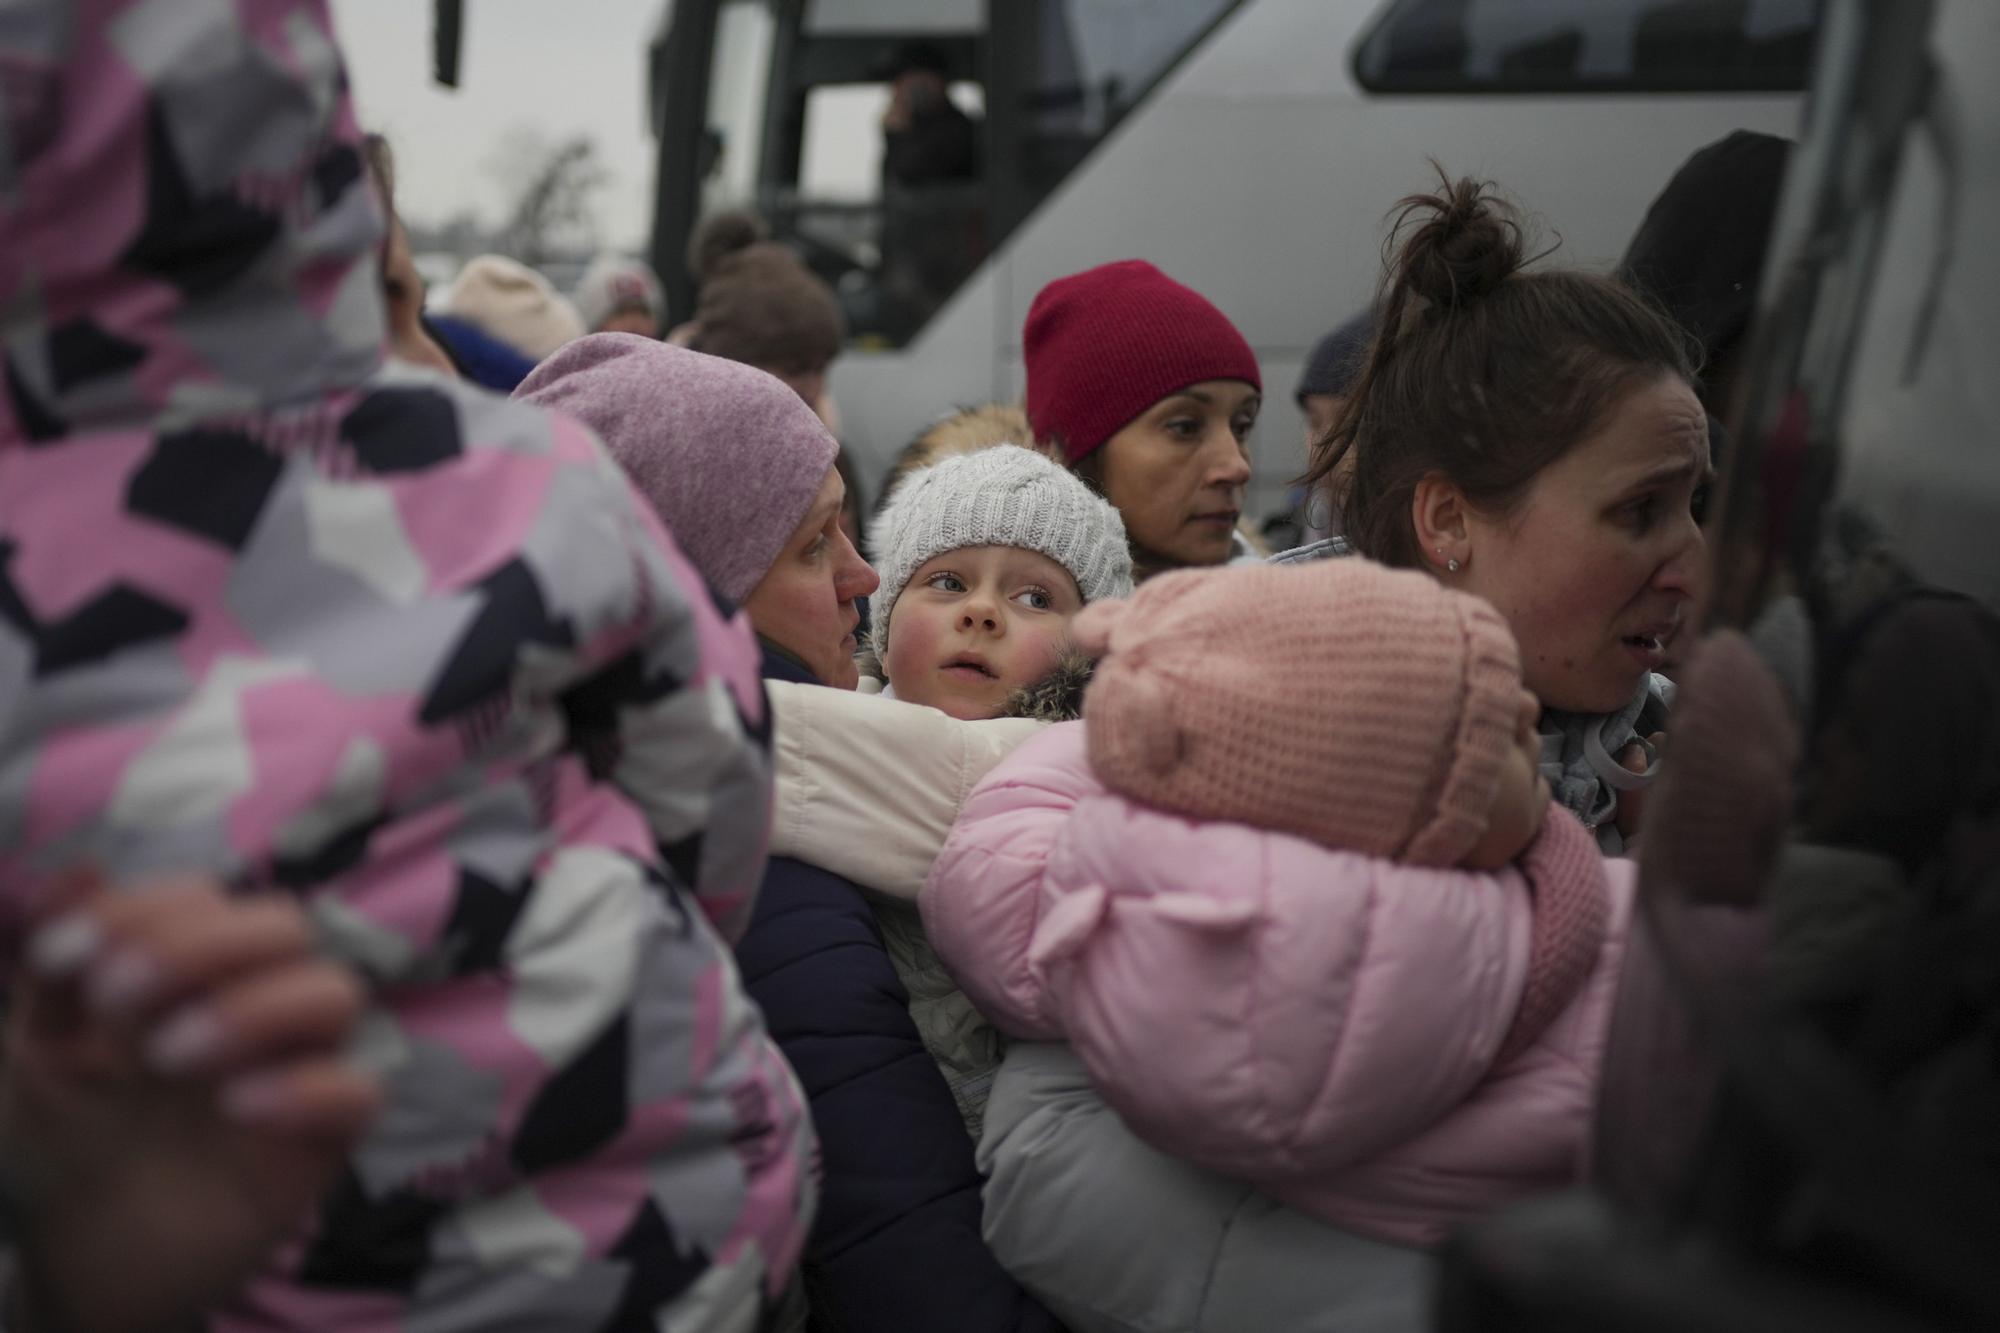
{"x":1103,"y":345}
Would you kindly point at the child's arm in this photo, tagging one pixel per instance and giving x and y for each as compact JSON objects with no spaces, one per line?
{"x":988,"y":898}
{"x":868,"y":788}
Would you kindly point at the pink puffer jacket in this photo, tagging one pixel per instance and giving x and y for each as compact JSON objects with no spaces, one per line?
{"x":1321,"y":1023}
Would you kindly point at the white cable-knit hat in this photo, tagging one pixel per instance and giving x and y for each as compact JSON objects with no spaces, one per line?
{"x":1002,"y":496}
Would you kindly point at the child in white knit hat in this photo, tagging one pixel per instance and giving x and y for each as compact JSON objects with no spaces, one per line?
{"x":985,"y":558}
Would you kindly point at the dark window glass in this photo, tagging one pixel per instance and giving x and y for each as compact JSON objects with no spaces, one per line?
{"x":1490,"y":46}
{"x":1799,"y":1116}
{"x":1813,"y":1051}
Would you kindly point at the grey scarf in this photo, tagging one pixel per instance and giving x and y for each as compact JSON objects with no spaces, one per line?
{"x":1580,"y":758}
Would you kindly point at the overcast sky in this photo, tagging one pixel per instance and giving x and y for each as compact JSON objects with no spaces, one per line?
{"x":578,"y":67}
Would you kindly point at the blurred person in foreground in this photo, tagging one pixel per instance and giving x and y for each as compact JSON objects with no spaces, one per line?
{"x":283,"y":611}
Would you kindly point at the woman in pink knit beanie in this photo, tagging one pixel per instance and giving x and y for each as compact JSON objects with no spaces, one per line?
{"x":1300,"y":840}
{"x":742,"y":472}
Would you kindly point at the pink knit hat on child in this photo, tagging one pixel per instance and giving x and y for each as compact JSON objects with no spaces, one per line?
{"x":1365,"y":708}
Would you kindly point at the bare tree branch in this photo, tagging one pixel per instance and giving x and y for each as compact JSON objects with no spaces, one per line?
{"x":554,"y":205}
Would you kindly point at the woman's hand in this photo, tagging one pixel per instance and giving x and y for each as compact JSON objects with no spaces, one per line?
{"x":173,"y":1098}
{"x":1636,"y":758}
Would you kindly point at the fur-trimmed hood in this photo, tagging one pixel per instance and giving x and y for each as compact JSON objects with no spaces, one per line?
{"x":1058,"y":696}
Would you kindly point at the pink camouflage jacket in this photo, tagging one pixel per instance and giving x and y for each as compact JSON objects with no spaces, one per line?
{"x":1321,"y":1023}
{"x":274,"y":610}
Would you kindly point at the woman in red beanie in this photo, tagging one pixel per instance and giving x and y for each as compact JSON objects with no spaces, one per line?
{"x":1149,"y":393}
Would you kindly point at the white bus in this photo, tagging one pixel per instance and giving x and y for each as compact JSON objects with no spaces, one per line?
{"x":1251,"y":148}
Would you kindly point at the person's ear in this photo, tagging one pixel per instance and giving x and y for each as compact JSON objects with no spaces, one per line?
{"x":1438,"y":512}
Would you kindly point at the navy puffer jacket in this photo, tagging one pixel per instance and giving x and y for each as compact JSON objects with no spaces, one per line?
{"x":897,"y":1242}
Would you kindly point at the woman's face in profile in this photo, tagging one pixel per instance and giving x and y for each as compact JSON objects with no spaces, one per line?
{"x":1598,"y":564}
{"x":806,"y":601}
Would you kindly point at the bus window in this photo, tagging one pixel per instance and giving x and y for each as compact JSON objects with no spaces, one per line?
{"x":840,"y":154}
{"x":841,"y":157}
{"x":744,"y":34}
{"x":807,"y":104}
{"x":1098,"y":57}
{"x":1087,"y":63}
{"x":894,"y":16}
{"x":1588,"y":46}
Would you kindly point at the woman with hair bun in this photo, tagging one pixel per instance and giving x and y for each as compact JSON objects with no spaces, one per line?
{"x":1532,"y":436}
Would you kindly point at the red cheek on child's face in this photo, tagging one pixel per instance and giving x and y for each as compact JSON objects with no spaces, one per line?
{"x":914,"y":644}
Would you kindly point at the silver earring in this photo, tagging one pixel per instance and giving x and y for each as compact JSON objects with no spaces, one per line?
{"x":1452,"y":564}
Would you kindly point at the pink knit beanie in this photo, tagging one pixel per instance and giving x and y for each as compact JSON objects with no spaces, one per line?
{"x":1365,"y":708}
{"x":729,"y":456}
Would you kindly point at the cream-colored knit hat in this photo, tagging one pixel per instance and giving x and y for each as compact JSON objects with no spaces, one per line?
{"x":1366,"y":708}
{"x":1002,"y":496}
{"x":512,"y":302}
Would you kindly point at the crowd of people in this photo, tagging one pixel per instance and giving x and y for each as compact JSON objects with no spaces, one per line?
{"x":498,"y":834}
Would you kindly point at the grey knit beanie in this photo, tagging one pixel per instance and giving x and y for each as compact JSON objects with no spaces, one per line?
{"x":1002,"y":496}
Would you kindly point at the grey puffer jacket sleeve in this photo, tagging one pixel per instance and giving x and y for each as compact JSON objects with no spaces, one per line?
{"x":1117,"y":1237}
